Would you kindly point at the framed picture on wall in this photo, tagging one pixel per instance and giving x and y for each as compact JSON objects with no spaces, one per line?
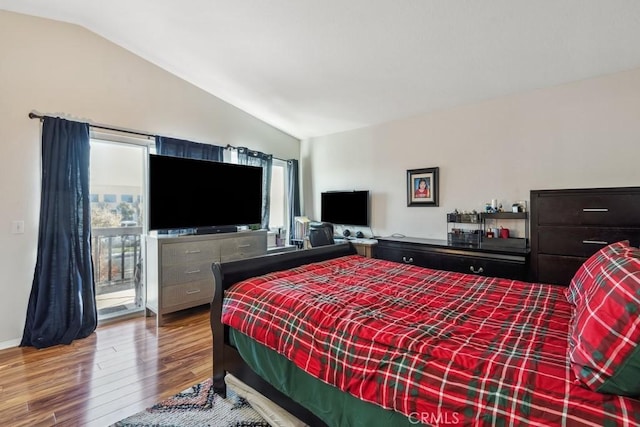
{"x":422,"y":187}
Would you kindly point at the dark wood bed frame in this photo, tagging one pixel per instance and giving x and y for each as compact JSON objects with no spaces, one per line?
{"x":225,"y":357}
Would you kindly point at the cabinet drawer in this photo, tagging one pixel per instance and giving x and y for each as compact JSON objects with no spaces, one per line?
{"x":187,"y":293}
{"x":618,"y":210}
{"x":408,"y":256}
{"x":243,"y":247}
{"x":486,"y":267}
{"x":581,"y":241}
{"x":507,"y":266}
{"x":558,"y":270}
{"x":193,"y":272}
{"x":189,"y":252}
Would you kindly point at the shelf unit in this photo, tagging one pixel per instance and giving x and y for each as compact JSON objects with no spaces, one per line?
{"x":498,"y":218}
{"x":464,"y":229}
{"x":468,"y":230}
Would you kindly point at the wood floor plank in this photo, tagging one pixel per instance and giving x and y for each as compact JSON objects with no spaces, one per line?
{"x":121,"y":369}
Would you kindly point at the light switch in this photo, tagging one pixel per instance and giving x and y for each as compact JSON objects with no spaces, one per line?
{"x":17,"y":227}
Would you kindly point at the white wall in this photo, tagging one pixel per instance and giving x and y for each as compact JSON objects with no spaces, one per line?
{"x":56,"y":68}
{"x":584,"y":134}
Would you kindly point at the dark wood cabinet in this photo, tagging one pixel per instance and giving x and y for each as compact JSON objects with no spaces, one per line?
{"x":438,"y":254}
{"x":568,"y":226}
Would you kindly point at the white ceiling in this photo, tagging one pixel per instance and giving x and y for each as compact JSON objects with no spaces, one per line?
{"x":316,"y":67}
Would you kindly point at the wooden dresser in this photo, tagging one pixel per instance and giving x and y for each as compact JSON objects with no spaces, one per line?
{"x":179,"y":272}
{"x":568,"y":226}
{"x":440,"y":255}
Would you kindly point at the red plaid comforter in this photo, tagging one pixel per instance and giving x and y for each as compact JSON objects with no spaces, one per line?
{"x":437,"y":346}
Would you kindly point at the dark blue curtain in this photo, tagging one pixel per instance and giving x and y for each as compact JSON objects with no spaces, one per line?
{"x":191,"y":150}
{"x":293,"y":192}
{"x":256,"y":158}
{"x":62,"y":303}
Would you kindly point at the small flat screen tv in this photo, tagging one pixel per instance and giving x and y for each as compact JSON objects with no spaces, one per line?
{"x":202,"y":194}
{"x":345,"y":207}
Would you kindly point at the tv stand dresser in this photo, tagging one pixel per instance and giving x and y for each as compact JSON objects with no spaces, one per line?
{"x":179,"y":272}
{"x":511,"y":263}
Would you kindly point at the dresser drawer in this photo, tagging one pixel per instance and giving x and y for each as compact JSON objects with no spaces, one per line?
{"x":506,"y":268}
{"x":190,"y":252}
{"x":595,"y":208}
{"x":186,"y":293}
{"x":178,"y":273}
{"x":407,"y":255}
{"x":243,"y":247}
{"x":184,"y":273}
{"x":558,"y":270}
{"x":568,"y":226}
{"x":581,"y":241}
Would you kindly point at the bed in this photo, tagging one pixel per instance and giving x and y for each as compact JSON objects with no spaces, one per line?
{"x":339,"y":339}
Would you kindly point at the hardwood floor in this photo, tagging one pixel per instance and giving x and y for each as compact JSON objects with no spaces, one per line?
{"x":121,"y":369}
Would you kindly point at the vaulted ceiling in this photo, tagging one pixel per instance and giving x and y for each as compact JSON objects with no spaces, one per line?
{"x":317,"y":67}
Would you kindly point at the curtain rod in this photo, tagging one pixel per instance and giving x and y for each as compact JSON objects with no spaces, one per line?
{"x":133,"y":132}
{"x":33,"y":115}
{"x":231,"y":147}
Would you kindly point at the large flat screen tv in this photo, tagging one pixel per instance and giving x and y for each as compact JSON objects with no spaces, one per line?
{"x":345,"y":207}
{"x":202,"y":194}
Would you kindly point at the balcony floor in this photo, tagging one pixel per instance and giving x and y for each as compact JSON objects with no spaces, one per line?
{"x":113,"y":301}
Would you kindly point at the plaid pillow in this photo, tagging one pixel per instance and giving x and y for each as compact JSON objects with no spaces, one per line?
{"x":589,"y":268}
{"x":604,"y":344}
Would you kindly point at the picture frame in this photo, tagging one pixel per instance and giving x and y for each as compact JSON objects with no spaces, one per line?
{"x":422,"y":187}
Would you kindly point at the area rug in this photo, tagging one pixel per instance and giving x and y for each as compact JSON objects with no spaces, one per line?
{"x":198,"y":406}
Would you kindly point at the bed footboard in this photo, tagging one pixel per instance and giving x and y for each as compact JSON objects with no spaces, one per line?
{"x":225,"y":358}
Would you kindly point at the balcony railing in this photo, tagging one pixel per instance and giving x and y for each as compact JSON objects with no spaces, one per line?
{"x":117,"y":258}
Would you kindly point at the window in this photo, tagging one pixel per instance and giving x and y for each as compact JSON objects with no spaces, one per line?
{"x":126,"y":198}
{"x":278,"y":208}
{"x":278,"y":192}
{"x":109,"y":198}
{"x":93,"y":198}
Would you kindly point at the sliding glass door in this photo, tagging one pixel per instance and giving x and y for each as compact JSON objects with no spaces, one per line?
{"x":117,"y":186}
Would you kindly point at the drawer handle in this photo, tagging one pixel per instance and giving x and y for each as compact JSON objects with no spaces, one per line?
{"x":478,"y":271}
{"x":192,"y":271}
{"x":595,"y":210}
{"x":407,"y":260}
{"x":195,"y":251}
{"x":244,"y":246}
{"x":194,"y":291}
{"x":595,"y":242}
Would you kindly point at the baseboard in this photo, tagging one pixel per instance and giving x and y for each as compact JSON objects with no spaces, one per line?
{"x":9,"y":344}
